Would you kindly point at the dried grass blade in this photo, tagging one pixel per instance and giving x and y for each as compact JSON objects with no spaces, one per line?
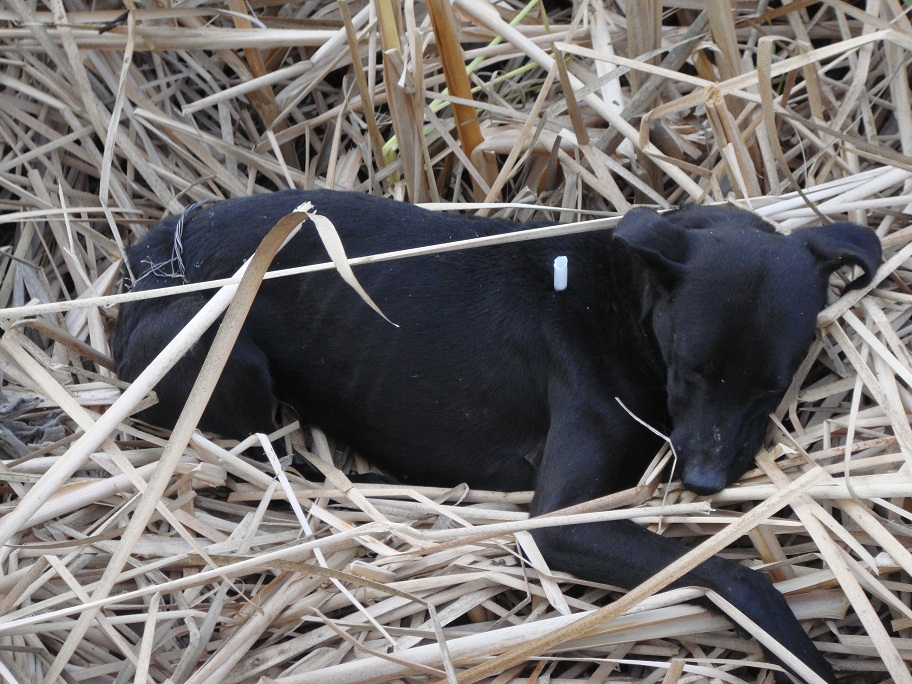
{"x":644,"y":35}
{"x":600,"y":170}
{"x":363,"y":90}
{"x":333,"y":243}
{"x":406,"y":121}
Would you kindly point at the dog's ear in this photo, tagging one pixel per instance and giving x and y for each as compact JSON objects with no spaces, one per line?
{"x":658,"y":244}
{"x":842,"y":244}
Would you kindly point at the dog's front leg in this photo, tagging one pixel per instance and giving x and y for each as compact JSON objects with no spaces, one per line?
{"x":586,"y":449}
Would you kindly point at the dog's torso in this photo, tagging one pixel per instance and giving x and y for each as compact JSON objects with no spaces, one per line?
{"x":477,"y":334}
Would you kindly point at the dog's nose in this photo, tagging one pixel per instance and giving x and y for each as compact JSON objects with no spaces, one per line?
{"x":705,"y":487}
{"x":703,"y":481}
{"x":705,"y":457}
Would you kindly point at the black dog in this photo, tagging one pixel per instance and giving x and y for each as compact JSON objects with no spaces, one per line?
{"x":696,"y":320}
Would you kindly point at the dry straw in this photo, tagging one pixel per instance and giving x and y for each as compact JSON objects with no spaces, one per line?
{"x":136,"y":555}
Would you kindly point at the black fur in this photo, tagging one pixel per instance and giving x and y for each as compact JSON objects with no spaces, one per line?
{"x":696,"y":320}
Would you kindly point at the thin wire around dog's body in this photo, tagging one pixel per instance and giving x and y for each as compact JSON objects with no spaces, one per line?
{"x":173,"y":267}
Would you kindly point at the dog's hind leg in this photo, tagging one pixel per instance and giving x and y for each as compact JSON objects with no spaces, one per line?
{"x":242,"y":402}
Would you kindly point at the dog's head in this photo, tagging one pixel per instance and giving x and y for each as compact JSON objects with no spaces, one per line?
{"x":733,"y":306}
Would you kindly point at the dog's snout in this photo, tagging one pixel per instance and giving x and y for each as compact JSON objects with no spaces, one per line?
{"x":704,"y":481}
{"x":705,"y":461}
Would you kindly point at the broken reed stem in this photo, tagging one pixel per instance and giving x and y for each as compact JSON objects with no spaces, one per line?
{"x":457,"y":80}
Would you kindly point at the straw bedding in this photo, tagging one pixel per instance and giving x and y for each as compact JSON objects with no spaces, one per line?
{"x":136,"y":555}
